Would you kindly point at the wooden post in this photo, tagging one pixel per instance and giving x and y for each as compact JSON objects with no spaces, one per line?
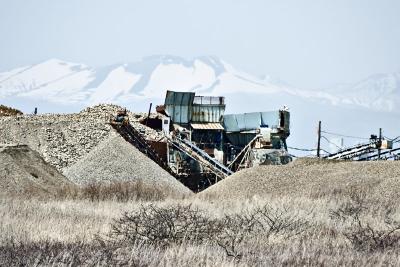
{"x":148,"y":115}
{"x":319,"y":140}
{"x":379,"y":143}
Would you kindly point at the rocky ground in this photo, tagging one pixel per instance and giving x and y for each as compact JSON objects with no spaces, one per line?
{"x":114,"y":159}
{"x":24,"y":172}
{"x":312,"y":178}
{"x":62,"y":139}
{"x":83,"y":146}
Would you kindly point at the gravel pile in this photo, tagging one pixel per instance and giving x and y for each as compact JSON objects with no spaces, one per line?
{"x":312,"y":178}
{"x":117,"y":160}
{"x":62,"y":139}
{"x":23,"y":172}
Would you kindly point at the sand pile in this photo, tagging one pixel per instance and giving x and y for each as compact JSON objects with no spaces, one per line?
{"x":312,"y":178}
{"x":23,"y":172}
{"x":62,"y":139}
{"x":117,"y":160}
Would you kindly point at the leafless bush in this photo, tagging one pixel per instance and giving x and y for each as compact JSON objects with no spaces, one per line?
{"x":123,"y":191}
{"x":352,"y":208}
{"x":360,"y":233}
{"x":164,"y":225}
{"x":261,"y":222}
{"x":50,"y":253}
{"x":119,"y":191}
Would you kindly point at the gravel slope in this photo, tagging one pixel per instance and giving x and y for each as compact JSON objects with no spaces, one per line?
{"x":117,"y":160}
{"x":63,"y":139}
{"x":312,"y":178}
{"x":23,"y":172}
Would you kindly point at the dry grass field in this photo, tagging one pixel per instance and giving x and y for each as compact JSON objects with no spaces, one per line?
{"x":137,"y":225}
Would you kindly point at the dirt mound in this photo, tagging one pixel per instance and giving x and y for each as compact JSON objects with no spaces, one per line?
{"x":312,"y":178}
{"x":62,"y":139}
{"x":7,"y":111}
{"x":117,"y":160}
{"x":23,"y":172}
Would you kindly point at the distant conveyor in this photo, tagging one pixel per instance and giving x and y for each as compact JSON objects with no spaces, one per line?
{"x":133,"y":136}
{"x":392,"y":153}
{"x":352,"y":152}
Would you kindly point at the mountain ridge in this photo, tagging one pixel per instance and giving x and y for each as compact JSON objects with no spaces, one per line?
{"x":61,"y":82}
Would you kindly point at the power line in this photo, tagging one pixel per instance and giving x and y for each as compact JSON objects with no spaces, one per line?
{"x":302,"y":149}
{"x":307,"y":150}
{"x":394,"y":140}
{"x":347,"y":136}
{"x":330,"y":142}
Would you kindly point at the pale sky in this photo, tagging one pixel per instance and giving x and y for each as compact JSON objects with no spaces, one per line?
{"x":307,"y":43}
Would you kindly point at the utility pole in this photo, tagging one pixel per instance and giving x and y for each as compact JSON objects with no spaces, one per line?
{"x":379,"y":143}
{"x":319,"y":140}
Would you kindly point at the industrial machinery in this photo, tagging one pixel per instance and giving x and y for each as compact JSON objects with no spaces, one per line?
{"x":121,"y":119}
{"x":200,"y":145}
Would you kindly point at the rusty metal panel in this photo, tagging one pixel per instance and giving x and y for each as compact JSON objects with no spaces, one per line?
{"x":161,"y":148}
{"x":286,"y":120}
{"x":179,"y":106}
{"x":209,"y":100}
{"x":207,"y":126}
{"x":207,"y":113}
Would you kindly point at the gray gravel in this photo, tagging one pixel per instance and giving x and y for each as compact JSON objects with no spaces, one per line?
{"x":62,"y":139}
{"x":312,"y":178}
{"x":117,"y":160}
{"x":23,"y":172}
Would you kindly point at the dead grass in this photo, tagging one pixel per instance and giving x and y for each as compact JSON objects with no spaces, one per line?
{"x":356,"y":223}
{"x":74,"y":232}
{"x":121,"y":191}
{"x":7,"y":111}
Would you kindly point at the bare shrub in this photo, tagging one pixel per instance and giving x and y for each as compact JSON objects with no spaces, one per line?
{"x":360,"y":233}
{"x":281,"y":221}
{"x":50,"y":253}
{"x":164,"y":225}
{"x":121,"y":191}
{"x":257,"y":224}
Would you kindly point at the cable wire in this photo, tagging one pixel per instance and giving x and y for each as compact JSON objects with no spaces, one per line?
{"x":302,"y":149}
{"x":394,"y":140}
{"x":343,"y":135}
{"x":330,"y":142}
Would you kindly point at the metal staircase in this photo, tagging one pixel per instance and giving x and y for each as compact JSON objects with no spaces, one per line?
{"x":200,"y":156}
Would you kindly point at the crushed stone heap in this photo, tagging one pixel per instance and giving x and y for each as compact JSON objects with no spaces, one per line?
{"x":312,"y":178}
{"x":23,"y":172}
{"x":62,"y":139}
{"x":117,"y":160}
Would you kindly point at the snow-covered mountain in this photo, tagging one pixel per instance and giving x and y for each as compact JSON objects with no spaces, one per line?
{"x":69,"y":83}
{"x":59,"y":82}
{"x":377,"y":92}
{"x":59,"y":86}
